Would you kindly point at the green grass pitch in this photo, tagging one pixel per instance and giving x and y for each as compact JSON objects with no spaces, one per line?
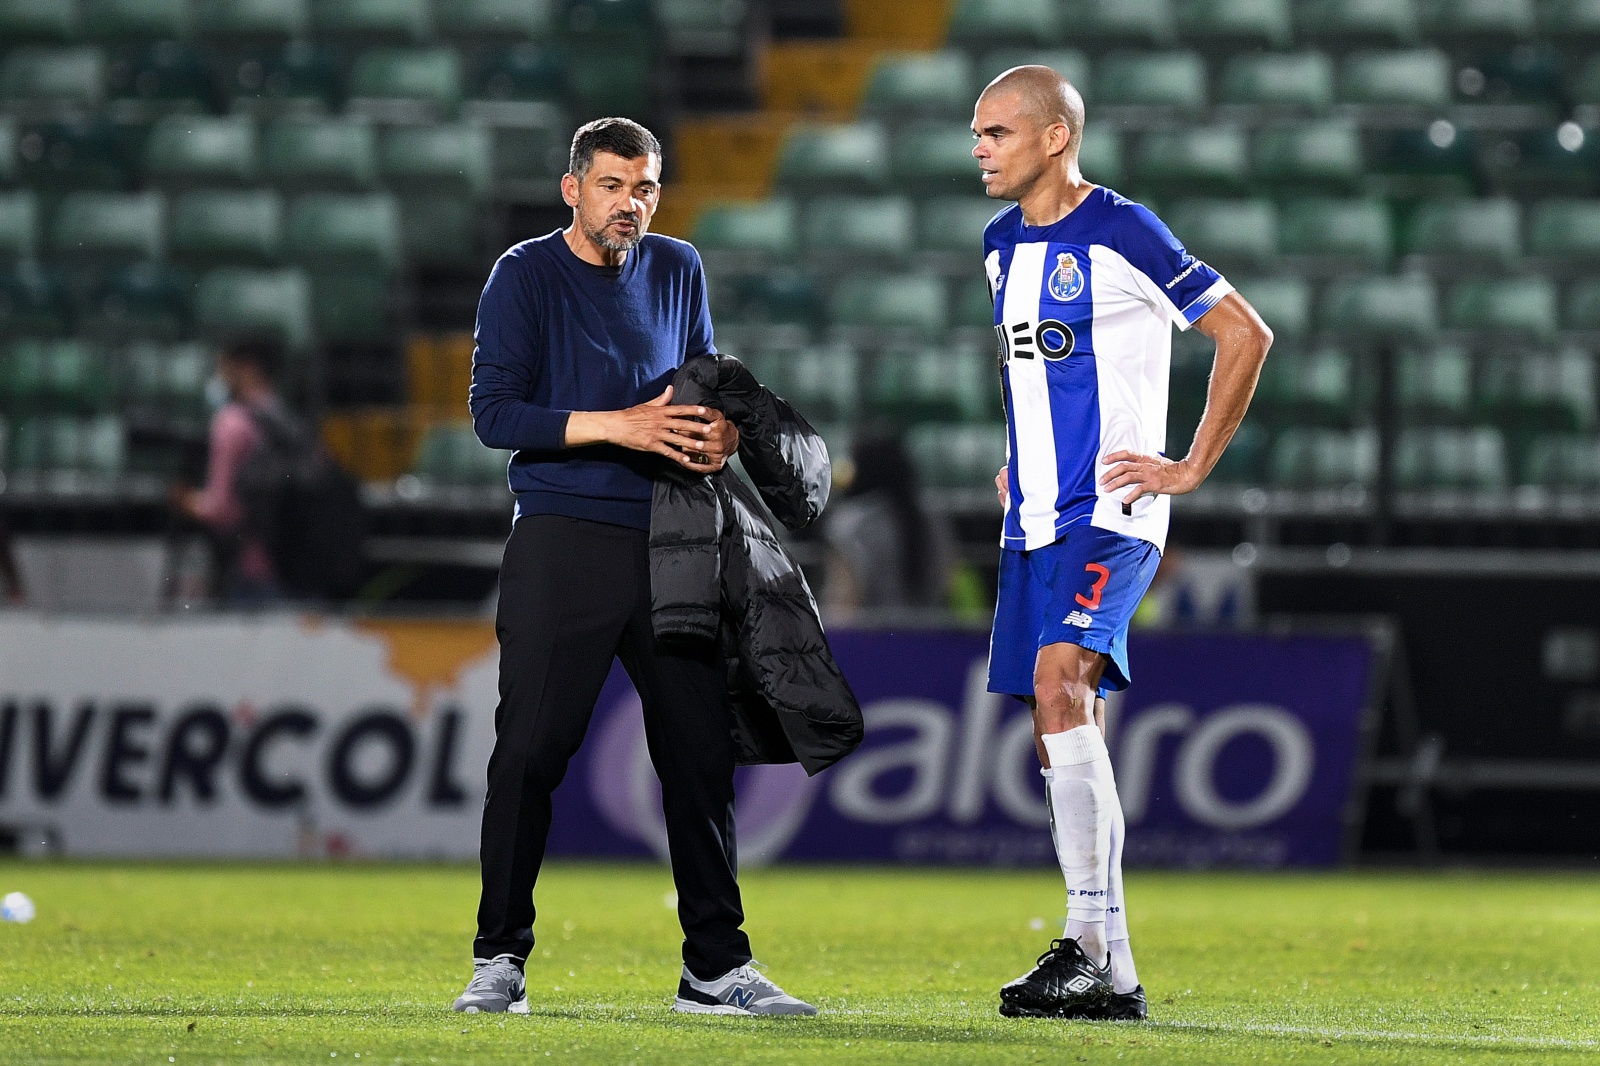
{"x":358,"y":964}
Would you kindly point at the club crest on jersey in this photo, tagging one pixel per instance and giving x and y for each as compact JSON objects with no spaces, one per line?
{"x":1066,"y":280}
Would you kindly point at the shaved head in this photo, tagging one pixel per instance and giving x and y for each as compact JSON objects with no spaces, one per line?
{"x":1043,"y":97}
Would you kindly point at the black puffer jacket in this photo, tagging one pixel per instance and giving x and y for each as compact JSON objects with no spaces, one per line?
{"x":718,"y":572}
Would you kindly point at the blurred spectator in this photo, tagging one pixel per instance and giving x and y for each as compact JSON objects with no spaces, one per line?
{"x":245,"y":567}
{"x":885,"y":550}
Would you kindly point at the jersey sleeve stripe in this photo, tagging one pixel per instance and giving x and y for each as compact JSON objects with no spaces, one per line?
{"x":1205,"y":302}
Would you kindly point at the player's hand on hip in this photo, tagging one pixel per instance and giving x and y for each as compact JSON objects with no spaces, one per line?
{"x":1148,"y":475}
{"x":679,"y":432}
{"x":1002,"y":484}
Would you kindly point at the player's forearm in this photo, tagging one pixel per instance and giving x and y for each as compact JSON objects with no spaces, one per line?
{"x":1241,"y":350}
{"x":589,"y":427}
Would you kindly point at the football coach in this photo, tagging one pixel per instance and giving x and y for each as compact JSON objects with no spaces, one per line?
{"x":579,"y":333}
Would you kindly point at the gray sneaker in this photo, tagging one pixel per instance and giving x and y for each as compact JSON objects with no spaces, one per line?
{"x":497,"y":986}
{"x":741,"y":991}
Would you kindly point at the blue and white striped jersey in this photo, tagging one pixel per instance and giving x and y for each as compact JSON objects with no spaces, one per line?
{"x":1084,"y":310}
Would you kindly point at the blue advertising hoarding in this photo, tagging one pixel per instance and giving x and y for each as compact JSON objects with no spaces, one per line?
{"x":1230,"y":750}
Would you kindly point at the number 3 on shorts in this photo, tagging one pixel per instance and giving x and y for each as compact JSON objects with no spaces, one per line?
{"x":1101,"y":576}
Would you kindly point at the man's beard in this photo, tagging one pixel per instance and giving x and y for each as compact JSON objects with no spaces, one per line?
{"x":606,"y":240}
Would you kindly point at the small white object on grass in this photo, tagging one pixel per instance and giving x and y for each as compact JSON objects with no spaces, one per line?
{"x":16,"y":908}
{"x":1036,"y":924}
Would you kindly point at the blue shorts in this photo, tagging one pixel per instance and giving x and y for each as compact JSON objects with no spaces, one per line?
{"x":1081,"y":590}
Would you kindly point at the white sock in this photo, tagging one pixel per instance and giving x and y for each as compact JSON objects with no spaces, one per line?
{"x":1082,"y":795}
{"x":1124,"y":978}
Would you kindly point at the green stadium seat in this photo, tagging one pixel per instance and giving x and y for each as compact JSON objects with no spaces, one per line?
{"x":451,"y":456}
{"x":8,"y":150}
{"x":1532,"y":392}
{"x":453,"y":158}
{"x":235,"y":20}
{"x":613,"y":74}
{"x":920,"y":83}
{"x":1100,"y":155}
{"x":1581,"y":312}
{"x":509,"y":19}
{"x":1245,"y":460}
{"x":113,"y":225}
{"x":1322,"y":386}
{"x":974,"y":308}
{"x":127,"y":20}
{"x":80,"y":154}
{"x":825,"y":382}
{"x":53,"y":78}
{"x":1417,"y":78}
{"x":1471,"y":235}
{"x":440,"y":230}
{"x":1561,"y":160}
{"x":352,"y":307}
{"x":1584,"y":84}
{"x":1273,"y":80}
{"x":1256,"y":22}
{"x":1147,"y":22}
{"x":703,"y":27}
{"x":1403,"y":307}
{"x":334,"y":152}
{"x":1226,"y":231}
{"x":908,"y":302}
{"x":1153,"y":79}
{"x":1492,"y":20}
{"x":1565,"y":230}
{"x":233,"y":303}
{"x":1440,"y":159}
{"x":1282,"y":301}
{"x":1321,"y":154}
{"x":1563,"y":461}
{"x":609,"y":18}
{"x":237,"y":226}
{"x":56,"y":377}
{"x":523,"y":73}
{"x":857,"y":227}
{"x":167,"y":77}
{"x":1434,"y":384}
{"x":1566,"y":20}
{"x":147,"y":299}
{"x":299,"y":78}
{"x":981,"y":22}
{"x":394,"y":83}
{"x":167,"y":380}
{"x":371,"y":20}
{"x":1450,"y":457}
{"x":954,"y":224}
{"x":1345,"y":231}
{"x":359,"y":229}
{"x":766,"y":228}
{"x":939,"y":385}
{"x":531,"y":153}
{"x":1503,"y":307}
{"x":766,"y":299}
{"x":935,"y":158}
{"x":1191,"y":159}
{"x":38,"y":21}
{"x":201,"y":150}
{"x":19,"y":225}
{"x":62,"y":449}
{"x":1068,"y":62}
{"x":1305,"y":458}
{"x":839,"y":156}
{"x":1352,"y":21}
{"x":33,"y":302}
{"x":957,"y":456}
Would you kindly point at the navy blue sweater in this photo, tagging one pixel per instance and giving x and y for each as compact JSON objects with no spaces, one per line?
{"x":555,"y":335}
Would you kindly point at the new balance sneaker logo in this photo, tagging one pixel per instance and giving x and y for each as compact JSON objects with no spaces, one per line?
{"x":1080,"y":983}
{"x":741,"y":997}
{"x":1079,"y":619}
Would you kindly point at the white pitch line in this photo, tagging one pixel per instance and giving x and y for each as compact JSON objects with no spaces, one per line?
{"x":1382,"y":1034}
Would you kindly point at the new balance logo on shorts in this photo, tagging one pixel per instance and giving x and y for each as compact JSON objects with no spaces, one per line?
{"x":1079,"y":619}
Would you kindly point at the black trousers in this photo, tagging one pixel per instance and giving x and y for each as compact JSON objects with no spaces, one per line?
{"x":573,"y":595}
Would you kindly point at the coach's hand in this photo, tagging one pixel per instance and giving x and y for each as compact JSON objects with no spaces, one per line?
{"x":1150,"y":475}
{"x":682,"y":433}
